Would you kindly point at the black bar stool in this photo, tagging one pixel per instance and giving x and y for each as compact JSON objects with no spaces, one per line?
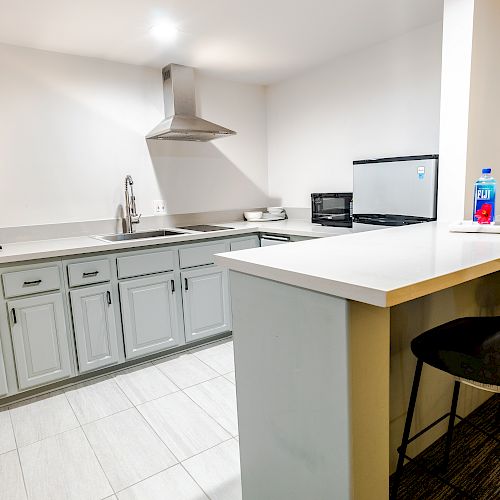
{"x":468,"y":349}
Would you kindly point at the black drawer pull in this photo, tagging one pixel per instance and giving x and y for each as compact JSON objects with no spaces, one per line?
{"x":14,"y":315}
{"x":172,"y":285}
{"x":32,"y":283}
{"x":186,"y":285}
{"x":108,"y":296}
{"x":91,"y":274}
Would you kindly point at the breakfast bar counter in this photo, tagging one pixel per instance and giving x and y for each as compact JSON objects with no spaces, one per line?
{"x":321,"y":333}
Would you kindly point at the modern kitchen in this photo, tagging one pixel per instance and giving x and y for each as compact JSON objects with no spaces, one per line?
{"x":248,"y":250}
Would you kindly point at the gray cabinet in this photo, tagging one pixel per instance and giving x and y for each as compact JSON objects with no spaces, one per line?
{"x":205,"y":297}
{"x":3,"y":378}
{"x":149,"y":314}
{"x":94,"y":326}
{"x":245,"y":243}
{"x":39,"y":339}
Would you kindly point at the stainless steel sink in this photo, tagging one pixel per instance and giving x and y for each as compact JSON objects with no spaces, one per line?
{"x":139,"y":235}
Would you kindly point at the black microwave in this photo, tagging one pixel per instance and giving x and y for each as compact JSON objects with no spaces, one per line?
{"x":332,"y":209}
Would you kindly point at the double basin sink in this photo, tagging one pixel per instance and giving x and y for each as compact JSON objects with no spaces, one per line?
{"x":160,"y":233}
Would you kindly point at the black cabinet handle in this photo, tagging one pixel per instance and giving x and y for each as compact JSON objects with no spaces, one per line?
{"x":172,"y":285}
{"x":91,"y":274}
{"x":108,"y":296}
{"x":186,"y":285}
{"x":14,"y":315}
{"x":32,"y":283}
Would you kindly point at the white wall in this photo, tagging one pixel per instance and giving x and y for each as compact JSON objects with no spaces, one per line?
{"x":382,"y":101}
{"x":455,"y":90}
{"x":470,"y":107}
{"x":72,"y":127}
{"x":484,"y":107}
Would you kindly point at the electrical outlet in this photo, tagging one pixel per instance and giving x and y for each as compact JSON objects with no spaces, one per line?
{"x":159,"y":207}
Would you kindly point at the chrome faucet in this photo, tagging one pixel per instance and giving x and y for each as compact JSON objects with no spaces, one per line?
{"x":131,"y":216}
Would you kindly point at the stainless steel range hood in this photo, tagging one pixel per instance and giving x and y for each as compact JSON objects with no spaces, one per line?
{"x":181,"y":122}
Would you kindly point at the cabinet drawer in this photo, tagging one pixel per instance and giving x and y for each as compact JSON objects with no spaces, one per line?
{"x":43,"y":279}
{"x":146,"y":263}
{"x":245,"y":243}
{"x":86,"y":273}
{"x":201,"y":255}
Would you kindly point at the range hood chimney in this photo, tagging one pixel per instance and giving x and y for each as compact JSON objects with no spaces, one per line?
{"x":181,"y":122}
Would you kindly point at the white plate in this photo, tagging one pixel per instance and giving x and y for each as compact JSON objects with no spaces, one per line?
{"x":468,"y":226}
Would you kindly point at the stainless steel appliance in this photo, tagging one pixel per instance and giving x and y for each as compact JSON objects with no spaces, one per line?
{"x":332,"y":209}
{"x":267,"y":240}
{"x":395,"y":191}
{"x":181,"y":122}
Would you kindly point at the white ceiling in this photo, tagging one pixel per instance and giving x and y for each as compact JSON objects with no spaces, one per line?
{"x":258,"y":41}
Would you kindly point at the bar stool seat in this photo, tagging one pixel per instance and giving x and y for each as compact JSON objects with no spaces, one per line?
{"x":469,"y":350}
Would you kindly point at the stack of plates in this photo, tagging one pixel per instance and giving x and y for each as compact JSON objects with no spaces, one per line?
{"x":273,"y":213}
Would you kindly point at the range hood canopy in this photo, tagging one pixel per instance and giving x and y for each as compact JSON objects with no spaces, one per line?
{"x":181,"y":122}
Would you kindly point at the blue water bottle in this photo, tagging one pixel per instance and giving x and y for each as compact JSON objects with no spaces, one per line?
{"x":484,"y":198}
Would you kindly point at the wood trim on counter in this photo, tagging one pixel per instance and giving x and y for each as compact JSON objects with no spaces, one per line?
{"x":369,"y":361}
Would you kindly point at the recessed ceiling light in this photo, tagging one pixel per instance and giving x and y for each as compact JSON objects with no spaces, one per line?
{"x":164,"y":31}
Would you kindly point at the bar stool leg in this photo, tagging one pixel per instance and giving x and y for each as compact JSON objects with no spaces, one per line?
{"x":451,"y":425}
{"x":406,"y":432}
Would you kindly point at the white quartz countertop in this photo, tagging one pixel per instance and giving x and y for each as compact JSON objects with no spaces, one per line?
{"x":42,"y":249}
{"x":382,"y":268}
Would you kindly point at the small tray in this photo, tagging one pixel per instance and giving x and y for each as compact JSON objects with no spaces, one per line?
{"x":468,"y":226}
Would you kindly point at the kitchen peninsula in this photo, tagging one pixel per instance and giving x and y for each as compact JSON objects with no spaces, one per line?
{"x":314,"y":326}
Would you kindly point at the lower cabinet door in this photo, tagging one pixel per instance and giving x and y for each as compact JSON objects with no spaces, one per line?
{"x":40,"y":339}
{"x":95,"y":327}
{"x":205,"y":296}
{"x":149,"y":314}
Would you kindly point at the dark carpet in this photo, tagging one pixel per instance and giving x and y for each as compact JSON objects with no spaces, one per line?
{"x":474,"y":462}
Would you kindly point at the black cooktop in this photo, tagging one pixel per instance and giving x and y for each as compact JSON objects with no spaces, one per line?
{"x":205,"y":228}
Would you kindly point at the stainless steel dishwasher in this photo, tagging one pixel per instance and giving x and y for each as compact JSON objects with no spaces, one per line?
{"x":266,"y":240}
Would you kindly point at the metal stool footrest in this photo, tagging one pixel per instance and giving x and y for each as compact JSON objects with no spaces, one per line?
{"x":432,"y":472}
{"x":429,"y":427}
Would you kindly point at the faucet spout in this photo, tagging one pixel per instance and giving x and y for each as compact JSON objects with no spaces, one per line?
{"x":131,"y":215}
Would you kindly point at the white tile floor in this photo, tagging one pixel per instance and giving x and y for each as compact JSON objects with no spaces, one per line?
{"x":163,"y":430}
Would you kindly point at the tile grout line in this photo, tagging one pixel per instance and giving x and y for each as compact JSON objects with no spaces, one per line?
{"x":79,"y":426}
{"x":194,"y":479}
{"x":203,"y":409}
{"x":213,"y":418}
{"x":211,"y":367}
{"x":182,"y":388}
{"x":196,"y":482}
{"x":211,"y":448}
{"x":153,"y":399}
{"x":114,"y":413}
{"x":174,"y":465}
{"x":148,"y":477}
{"x":18,"y":455}
{"x":180,"y":461}
{"x":157,"y":369}
{"x":99,"y":462}
{"x":159,"y":437}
